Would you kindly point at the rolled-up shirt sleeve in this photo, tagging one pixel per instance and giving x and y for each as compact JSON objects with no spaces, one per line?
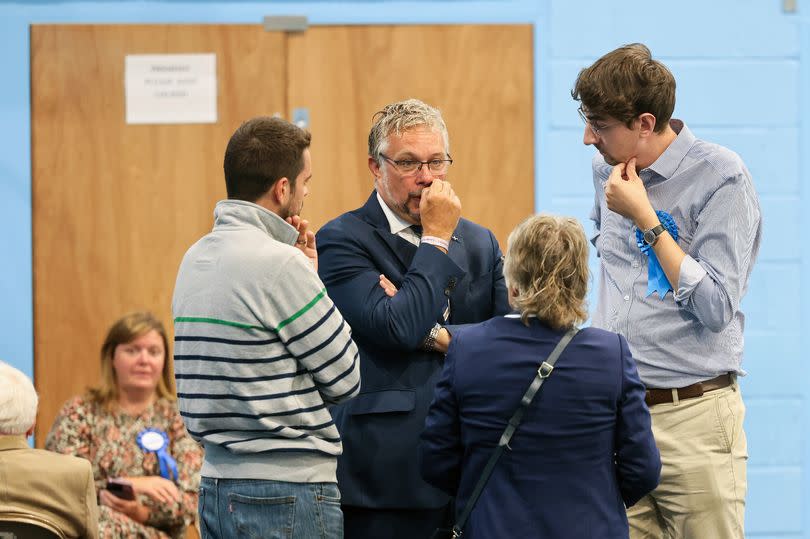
{"x":714,"y":273}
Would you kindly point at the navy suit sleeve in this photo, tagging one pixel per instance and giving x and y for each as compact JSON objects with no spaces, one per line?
{"x":352,"y":279}
{"x":499,"y":296}
{"x":440,"y":447}
{"x":637,"y":459}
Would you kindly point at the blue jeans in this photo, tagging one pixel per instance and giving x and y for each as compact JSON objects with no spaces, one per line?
{"x":235,"y":508}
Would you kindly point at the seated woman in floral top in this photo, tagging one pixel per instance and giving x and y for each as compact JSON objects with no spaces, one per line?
{"x":119,"y":427}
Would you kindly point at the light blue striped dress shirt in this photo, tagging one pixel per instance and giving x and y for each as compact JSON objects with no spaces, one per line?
{"x":696,"y":333}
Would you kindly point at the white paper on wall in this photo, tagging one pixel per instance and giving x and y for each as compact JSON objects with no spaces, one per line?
{"x":171,"y":88}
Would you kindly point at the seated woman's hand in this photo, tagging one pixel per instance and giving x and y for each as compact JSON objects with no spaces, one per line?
{"x":158,"y":488}
{"x":131,"y":508}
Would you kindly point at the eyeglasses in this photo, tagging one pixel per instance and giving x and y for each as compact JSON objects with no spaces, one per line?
{"x":409,"y":166}
{"x":597,"y":131}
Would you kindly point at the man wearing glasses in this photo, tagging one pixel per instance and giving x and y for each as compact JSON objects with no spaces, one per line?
{"x":403,"y":270}
{"x":677,"y":230}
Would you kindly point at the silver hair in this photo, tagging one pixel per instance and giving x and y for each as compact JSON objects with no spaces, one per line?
{"x":18,"y":401}
{"x":397,"y":118}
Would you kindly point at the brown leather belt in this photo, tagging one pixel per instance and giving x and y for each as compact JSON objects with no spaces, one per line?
{"x":660,"y":396}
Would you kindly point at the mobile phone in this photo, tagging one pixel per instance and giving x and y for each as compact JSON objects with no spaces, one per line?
{"x":121,"y":488}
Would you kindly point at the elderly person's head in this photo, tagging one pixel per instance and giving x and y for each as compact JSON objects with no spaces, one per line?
{"x":546,"y":270}
{"x":134,"y":358}
{"x":408,"y":147}
{"x":18,"y":402}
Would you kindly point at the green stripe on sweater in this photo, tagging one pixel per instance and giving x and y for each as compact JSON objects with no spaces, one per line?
{"x":283,"y":323}
{"x":304,"y":309}
{"x":218,"y":321}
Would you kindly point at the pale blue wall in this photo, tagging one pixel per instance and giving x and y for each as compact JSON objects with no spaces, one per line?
{"x":742,"y":69}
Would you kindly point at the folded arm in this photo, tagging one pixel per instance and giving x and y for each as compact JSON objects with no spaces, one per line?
{"x":395,"y":322}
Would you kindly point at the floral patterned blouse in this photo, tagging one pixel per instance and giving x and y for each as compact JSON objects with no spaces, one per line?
{"x":86,"y":429}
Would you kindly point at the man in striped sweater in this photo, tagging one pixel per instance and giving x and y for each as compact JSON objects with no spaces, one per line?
{"x":260,"y":349}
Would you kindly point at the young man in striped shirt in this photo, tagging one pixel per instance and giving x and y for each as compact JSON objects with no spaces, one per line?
{"x":678,"y":228}
{"x":261,"y":350}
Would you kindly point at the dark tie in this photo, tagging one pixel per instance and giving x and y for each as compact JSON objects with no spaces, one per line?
{"x":417,"y":229}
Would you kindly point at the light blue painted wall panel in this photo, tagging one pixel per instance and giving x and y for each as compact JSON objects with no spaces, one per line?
{"x":774,"y":503}
{"x":723,"y":93}
{"x":573,"y":207}
{"x":563,"y":73}
{"x":754,"y":28}
{"x":774,"y":363}
{"x":16,"y":313}
{"x":329,"y":12}
{"x":775,"y":431}
{"x":780,"y":217}
{"x":773,"y":305}
{"x":771,"y":155}
{"x":570,"y":168}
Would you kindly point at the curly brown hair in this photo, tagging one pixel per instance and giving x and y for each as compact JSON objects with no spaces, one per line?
{"x":546,"y":270}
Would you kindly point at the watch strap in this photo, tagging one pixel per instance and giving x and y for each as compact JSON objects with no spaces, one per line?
{"x":655,"y":232}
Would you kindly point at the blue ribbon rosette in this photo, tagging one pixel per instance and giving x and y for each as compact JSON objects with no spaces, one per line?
{"x":656,"y":278}
{"x":156,"y":441}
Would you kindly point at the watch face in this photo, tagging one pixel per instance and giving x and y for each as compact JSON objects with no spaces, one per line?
{"x":649,"y":237}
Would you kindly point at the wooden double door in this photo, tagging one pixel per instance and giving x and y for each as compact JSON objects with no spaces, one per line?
{"x":115,"y":206}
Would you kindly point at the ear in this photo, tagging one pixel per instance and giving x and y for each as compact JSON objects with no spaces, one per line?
{"x":281,"y":190}
{"x":374,"y":167}
{"x":647,"y":124}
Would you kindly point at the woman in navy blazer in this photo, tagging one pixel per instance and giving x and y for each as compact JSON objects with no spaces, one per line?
{"x":585,"y":448}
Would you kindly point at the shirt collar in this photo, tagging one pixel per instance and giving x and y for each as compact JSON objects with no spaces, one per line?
{"x":669,"y":161}
{"x":13,"y":441}
{"x":395,"y":223}
{"x":240,"y":212}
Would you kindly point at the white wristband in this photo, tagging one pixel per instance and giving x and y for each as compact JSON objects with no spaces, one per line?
{"x":438,"y":242}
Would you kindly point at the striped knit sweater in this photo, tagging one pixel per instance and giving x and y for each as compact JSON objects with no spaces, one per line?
{"x":260,"y":349}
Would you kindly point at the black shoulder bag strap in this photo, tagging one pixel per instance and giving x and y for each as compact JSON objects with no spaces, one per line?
{"x":543,"y":372}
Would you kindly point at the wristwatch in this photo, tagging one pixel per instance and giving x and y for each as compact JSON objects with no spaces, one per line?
{"x":429,"y":344}
{"x":651,"y":235}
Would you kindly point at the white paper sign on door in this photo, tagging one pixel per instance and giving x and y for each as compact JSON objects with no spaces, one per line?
{"x":171,"y":88}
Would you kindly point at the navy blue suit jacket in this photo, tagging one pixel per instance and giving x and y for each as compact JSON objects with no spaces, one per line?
{"x":380,"y":427}
{"x":584,"y":450}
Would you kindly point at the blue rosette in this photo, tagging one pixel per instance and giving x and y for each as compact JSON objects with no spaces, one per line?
{"x":156,"y":441}
{"x":656,"y":278}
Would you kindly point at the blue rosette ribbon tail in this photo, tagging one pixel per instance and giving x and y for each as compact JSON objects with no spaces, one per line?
{"x":156,"y":441}
{"x":656,"y":278}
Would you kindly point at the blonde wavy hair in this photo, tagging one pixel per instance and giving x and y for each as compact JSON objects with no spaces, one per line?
{"x":124,"y":331}
{"x":546,"y":270}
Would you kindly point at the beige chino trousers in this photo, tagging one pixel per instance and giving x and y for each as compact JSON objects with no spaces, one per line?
{"x":703,"y":476}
